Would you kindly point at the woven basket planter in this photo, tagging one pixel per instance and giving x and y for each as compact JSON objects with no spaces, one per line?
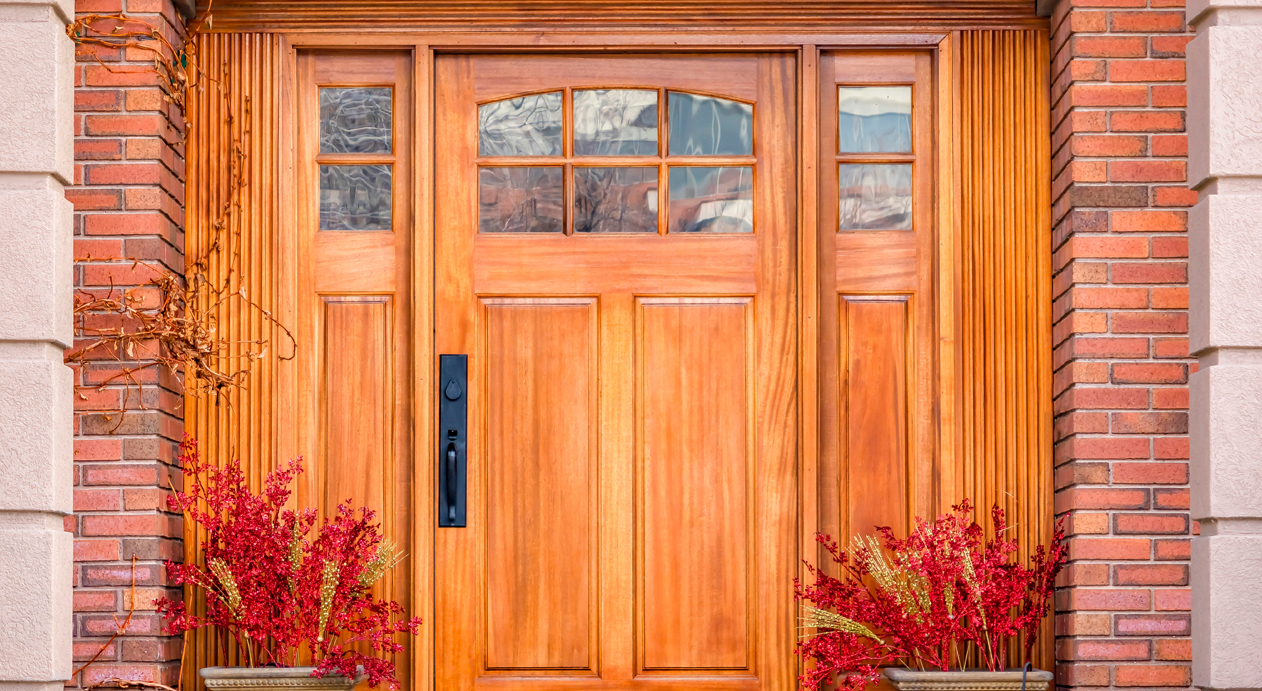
{"x":274,"y":679}
{"x":967,"y":680}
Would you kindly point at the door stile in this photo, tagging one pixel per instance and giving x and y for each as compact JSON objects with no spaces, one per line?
{"x":425,"y":365}
{"x":808,"y":305}
{"x":946,"y":69}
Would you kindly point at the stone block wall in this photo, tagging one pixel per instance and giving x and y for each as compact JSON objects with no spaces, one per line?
{"x":1120,"y":311}
{"x":128,"y":224}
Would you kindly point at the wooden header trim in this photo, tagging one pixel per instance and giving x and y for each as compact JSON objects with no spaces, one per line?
{"x":828,"y":16}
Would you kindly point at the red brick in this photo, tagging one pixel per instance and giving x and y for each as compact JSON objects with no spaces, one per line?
{"x":1170,"y":46}
{"x":1171,"y":499}
{"x":1173,"y":649}
{"x":1147,"y":71}
{"x":1149,"y":423}
{"x":95,"y":600}
{"x":1150,"y":524}
{"x":1150,"y":222}
{"x":1101,"y":247}
{"x":1167,"y":399}
{"x":97,"y":100}
{"x":1108,"y":145}
{"x":1171,"y":448}
{"x":126,"y":224}
{"x":123,"y":174}
{"x":1166,"y":298}
{"x":1100,"y":599}
{"x":1150,"y":574}
{"x":97,"y":449}
{"x":1150,"y":473}
{"x":1149,"y":272}
{"x":1146,"y":22}
{"x":1149,"y":373}
{"x":1109,"y":650}
{"x":94,"y":199}
{"x":1150,"y":322}
{"x":1103,"y":448}
{"x":1148,"y":171}
{"x":1170,"y":145}
{"x":1100,"y":95}
{"x":1152,"y":675}
{"x":1151,"y":624}
{"x":97,"y":500}
{"x":1111,"y":548}
{"x":126,"y":125}
{"x":1164,"y":247}
{"x":1108,"y":397}
{"x":89,"y":649}
{"x":123,"y":524}
{"x":118,"y":75}
{"x":96,"y":550}
{"x":1168,"y":600}
{"x":1172,"y":550}
{"x":1101,"y":498}
{"x":1109,"y":46}
{"x":1169,"y":96}
{"x":98,"y":149}
{"x":1082,"y":675}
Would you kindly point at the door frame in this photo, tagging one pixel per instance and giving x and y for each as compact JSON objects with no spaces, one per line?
{"x":807,"y":48}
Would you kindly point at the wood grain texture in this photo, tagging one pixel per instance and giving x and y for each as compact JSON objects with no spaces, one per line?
{"x":1004,"y":447}
{"x":243,"y":425}
{"x":540,"y":393}
{"x":696,"y":470}
{"x":233,"y":15}
{"x":720,"y":470}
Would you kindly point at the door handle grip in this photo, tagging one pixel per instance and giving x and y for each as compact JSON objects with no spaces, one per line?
{"x":450,"y":489}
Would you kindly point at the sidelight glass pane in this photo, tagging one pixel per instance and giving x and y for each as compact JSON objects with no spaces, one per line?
{"x":615,"y":122}
{"x":615,"y":200}
{"x":709,"y":126}
{"x":711,"y":199}
{"x":522,"y":199}
{"x":874,"y":119}
{"x":522,"y":126}
{"x":874,"y":196}
{"x":355,"y":197}
{"x":355,"y":120}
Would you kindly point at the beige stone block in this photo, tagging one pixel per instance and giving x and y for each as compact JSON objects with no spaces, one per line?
{"x":1224,"y":243}
{"x":37,"y":80}
{"x":1224,"y":103}
{"x":36,"y":260}
{"x":1226,"y":611}
{"x":36,"y":452}
{"x":35,"y":602}
{"x":1226,"y":447}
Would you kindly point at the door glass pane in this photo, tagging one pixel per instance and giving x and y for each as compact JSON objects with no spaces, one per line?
{"x":522,"y":126}
{"x":355,"y":197}
{"x":615,"y":122}
{"x":711,"y":199}
{"x":615,"y":200}
{"x":874,"y":196}
{"x":355,"y":120}
{"x":521,"y":199}
{"x":709,"y":126}
{"x":874,"y":119}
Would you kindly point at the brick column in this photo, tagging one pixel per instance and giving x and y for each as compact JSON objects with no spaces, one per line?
{"x":36,"y":78}
{"x":128,"y":199}
{"x":1121,"y":349}
{"x":1224,"y":99}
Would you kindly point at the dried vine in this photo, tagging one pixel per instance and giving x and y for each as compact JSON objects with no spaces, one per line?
{"x":179,"y":331}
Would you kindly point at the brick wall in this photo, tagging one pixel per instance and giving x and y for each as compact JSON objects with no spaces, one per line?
{"x":1121,"y":367}
{"x":128,"y":199}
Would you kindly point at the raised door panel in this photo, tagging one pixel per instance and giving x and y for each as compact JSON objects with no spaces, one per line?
{"x":696,"y":478}
{"x":874,"y":387}
{"x":356,"y":451}
{"x":540,"y":395}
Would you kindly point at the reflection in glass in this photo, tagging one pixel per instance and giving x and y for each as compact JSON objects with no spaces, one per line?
{"x":522,"y":199}
{"x":522,"y":126}
{"x":711,"y":200}
{"x":874,"y":119}
{"x":355,"y":120}
{"x":875,"y":196}
{"x":355,"y":197}
{"x":615,"y":200}
{"x":615,"y":122}
{"x":708,"y":126}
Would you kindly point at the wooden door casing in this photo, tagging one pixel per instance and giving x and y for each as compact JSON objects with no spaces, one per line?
{"x":632,"y":455}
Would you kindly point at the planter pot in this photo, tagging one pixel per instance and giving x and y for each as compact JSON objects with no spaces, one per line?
{"x":274,"y":679}
{"x":967,"y":680}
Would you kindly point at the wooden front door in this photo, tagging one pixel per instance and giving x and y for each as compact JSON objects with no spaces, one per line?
{"x":615,"y":253}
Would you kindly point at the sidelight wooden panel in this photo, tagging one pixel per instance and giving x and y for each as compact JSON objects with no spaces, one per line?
{"x":696,"y":483}
{"x":540,"y":394}
{"x":357,"y":357}
{"x":239,"y":111}
{"x":1004,"y":347}
{"x":874,"y":410}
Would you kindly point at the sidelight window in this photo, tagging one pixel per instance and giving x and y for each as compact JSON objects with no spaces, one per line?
{"x":356,"y":158}
{"x":604,"y":161}
{"x":874,"y":158}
